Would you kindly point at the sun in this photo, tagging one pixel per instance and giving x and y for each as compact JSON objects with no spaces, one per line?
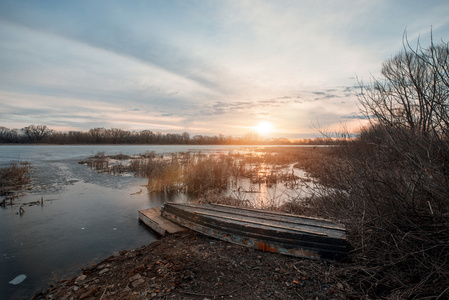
{"x":264,"y":128}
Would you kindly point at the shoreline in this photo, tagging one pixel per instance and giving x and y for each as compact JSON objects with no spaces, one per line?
{"x":188,"y":265}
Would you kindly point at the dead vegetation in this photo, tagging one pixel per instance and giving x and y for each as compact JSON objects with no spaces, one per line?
{"x":13,"y":178}
{"x":200,"y":173}
{"x":390,"y":186}
{"x":396,"y":217}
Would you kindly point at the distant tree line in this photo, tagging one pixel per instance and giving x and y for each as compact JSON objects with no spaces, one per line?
{"x":44,"y":135}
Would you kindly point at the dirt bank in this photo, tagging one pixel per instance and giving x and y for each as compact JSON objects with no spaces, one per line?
{"x":191,"y":266}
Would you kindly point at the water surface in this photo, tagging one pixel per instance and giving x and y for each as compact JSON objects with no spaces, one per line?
{"x":85,"y":216}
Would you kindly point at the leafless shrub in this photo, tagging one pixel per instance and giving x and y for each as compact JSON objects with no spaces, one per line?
{"x":390,"y":186}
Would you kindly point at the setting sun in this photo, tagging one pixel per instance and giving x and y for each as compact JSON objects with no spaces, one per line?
{"x":264,"y":128}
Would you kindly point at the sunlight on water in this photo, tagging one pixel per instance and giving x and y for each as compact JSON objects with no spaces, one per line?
{"x":75,"y":216}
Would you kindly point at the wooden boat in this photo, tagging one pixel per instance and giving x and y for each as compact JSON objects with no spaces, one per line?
{"x":265,"y":230}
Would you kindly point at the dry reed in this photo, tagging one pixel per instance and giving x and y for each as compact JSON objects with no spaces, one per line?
{"x":202,"y":174}
{"x":13,"y":178}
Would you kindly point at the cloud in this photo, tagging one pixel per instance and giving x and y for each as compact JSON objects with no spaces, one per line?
{"x":206,"y":66}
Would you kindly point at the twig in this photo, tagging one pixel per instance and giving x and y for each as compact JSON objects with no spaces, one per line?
{"x":298,"y":294}
{"x":430,"y":206}
{"x":104,"y":292}
{"x":442,"y":294}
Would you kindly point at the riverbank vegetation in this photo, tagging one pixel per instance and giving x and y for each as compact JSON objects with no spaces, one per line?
{"x":390,"y":186}
{"x":226,"y":177}
{"x":13,"y":178}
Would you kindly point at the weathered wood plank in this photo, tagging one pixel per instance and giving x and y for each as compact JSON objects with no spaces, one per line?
{"x":256,"y":229}
{"x":274,"y":233}
{"x":324,"y":225}
{"x":284,"y":216}
{"x":249,"y":221}
{"x":292,"y":222}
{"x":153,"y":219}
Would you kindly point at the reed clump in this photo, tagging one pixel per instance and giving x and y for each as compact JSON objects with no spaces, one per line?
{"x":13,"y":178}
{"x":99,"y":162}
{"x":200,"y":173}
{"x":205,"y":173}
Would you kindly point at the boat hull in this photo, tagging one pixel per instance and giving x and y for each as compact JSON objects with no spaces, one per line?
{"x":267,"y":231}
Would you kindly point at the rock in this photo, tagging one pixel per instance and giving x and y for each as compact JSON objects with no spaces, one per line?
{"x":105,"y":270}
{"x":80,"y":278}
{"x":135,"y":277}
{"x":88,"y":293}
{"x":137,"y":282}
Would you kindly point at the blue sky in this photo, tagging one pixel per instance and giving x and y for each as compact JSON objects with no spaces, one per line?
{"x":205,"y":67}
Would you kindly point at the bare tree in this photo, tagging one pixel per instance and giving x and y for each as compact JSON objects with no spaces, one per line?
{"x":36,"y":133}
{"x":99,"y":134}
{"x":3,"y":134}
{"x":413,"y":92}
{"x":118,"y":135}
{"x":391,"y":185}
{"x":185,"y":137}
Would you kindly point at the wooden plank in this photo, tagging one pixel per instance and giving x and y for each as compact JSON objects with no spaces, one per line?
{"x":251,"y":228}
{"x":153,"y":219}
{"x":291,"y":223}
{"x":294,"y":223}
{"x":269,"y":215}
{"x":330,"y":223}
{"x":262,"y":223}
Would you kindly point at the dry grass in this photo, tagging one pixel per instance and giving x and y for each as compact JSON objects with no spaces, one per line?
{"x":201,"y":174}
{"x":13,"y":178}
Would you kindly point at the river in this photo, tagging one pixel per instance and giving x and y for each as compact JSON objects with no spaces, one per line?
{"x":85,"y":216}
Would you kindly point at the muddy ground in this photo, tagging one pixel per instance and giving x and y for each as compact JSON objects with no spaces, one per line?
{"x":191,"y":266}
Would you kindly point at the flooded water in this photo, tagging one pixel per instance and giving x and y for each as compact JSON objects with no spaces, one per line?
{"x":85,"y":216}
{"x":75,"y":217}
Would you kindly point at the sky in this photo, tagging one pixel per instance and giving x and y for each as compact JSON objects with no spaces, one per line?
{"x":200,"y":66}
